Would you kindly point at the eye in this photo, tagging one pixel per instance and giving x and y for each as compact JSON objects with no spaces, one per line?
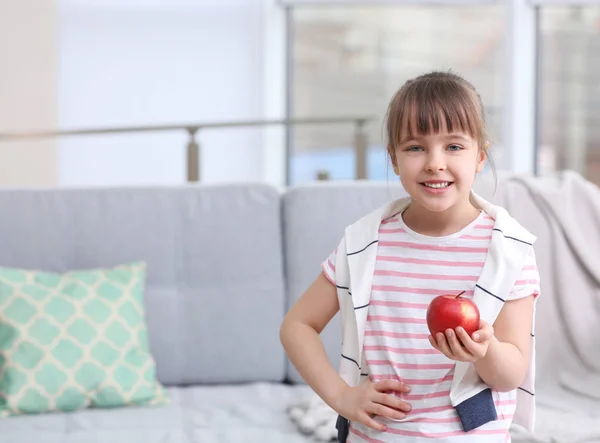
{"x":455,"y":148}
{"x":414,"y":148}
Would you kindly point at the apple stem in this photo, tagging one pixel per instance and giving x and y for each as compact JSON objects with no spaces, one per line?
{"x":460,"y":294}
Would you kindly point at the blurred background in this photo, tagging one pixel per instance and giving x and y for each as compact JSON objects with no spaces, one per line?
{"x":138,"y":92}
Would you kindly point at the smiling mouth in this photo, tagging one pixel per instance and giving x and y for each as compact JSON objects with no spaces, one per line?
{"x":436,"y":185}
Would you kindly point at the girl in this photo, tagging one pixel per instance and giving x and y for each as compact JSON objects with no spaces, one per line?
{"x":396,"y":382}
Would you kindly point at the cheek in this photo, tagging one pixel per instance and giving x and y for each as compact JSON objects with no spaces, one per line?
{"x":409,"y":165}
{"x":466,"y":167}
{"x":406,"y":174}
{"x":468,"y":172}
{"x":408,"y":178}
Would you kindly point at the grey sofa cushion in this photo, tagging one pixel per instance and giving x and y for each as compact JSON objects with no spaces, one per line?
{"x":214,"y":296}
{"x":253,"y":413}
{"x":314,"y":218}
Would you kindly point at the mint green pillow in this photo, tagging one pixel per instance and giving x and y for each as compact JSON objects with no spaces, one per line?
{"x":74,"y":340}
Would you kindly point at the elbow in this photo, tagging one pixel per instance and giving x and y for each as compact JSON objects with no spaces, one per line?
{"x":508,"y":382}
{"x":518,"y":382}
{"x":505,"y":369}
{"x":283,"y":332}
{"x":286,"y":332}
{"x":505,"y":387}
{"x":502,"y":384}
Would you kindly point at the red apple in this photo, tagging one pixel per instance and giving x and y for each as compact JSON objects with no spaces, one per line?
{"x":450,"y":311}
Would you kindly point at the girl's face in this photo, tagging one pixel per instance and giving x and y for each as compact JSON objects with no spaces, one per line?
{"x":438,"y":170}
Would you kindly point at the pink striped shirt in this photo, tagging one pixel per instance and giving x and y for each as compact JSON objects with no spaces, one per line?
{"x":411,"y":269}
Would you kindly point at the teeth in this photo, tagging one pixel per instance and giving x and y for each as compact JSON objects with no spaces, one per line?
{"x":437,"y":185}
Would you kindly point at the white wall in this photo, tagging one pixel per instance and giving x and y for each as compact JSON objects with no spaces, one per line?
{"x":147,"y":62}
{"x":28,"y":96}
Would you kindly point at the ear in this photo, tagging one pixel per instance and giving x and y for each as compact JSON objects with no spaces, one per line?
{"x":482,"y":157}
{"x":393,"y":159}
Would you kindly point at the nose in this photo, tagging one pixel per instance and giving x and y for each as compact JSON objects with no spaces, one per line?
{"x":435,"y":161}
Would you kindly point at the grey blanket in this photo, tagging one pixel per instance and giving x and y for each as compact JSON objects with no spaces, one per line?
{"x":568,"y":317}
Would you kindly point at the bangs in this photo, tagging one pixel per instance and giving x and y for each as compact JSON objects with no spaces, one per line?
{"x":432,"y":107}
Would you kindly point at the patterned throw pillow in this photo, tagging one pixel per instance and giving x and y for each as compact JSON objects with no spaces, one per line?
{"x":74,"y":340}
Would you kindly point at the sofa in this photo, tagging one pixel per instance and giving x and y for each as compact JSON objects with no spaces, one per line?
{"x":224,"y":264}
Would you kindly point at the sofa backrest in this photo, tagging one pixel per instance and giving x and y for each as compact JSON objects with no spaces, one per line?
{"x":225,"y":262}
{"x":215,"y":291}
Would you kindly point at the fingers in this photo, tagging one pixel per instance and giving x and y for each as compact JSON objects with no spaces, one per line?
{"x":455,"y":346}
{"x":385,"y":411}
{"x":465,"y":339}
{"x":386,"y":405}
{"x":391,"y":385}
{"x":442,"y":345}
{"x":367,"y":420}
{"x":392,"y":401}
{"x":485,"y":332}
{"x":433,"y":343}
{"x":474,"y":348}
{"x":449,"y":345}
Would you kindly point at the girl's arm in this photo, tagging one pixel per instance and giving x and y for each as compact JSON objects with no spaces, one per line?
{"x":300,"y":337}
{"x":506,"y":361}
{"x":500,"y":353}
{"x":299,"y":334}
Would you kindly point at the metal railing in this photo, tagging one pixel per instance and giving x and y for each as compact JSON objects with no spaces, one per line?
{"x":193,"y":148}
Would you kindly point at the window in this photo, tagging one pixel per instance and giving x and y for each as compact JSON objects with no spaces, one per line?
{"x":349,"y":60}
{"x":569,"y":90}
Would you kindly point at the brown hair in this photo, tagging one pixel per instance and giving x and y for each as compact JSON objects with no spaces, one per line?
{"x":428,"y":102}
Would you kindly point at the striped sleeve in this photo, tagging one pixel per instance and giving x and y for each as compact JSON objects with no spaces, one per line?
{"x":328,"y":267}
{"x":528,"y":282}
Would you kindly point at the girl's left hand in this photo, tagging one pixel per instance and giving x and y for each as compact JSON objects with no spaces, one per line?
{"x":457,"y":345}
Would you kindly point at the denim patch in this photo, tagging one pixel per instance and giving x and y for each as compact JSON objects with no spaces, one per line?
{"x":477,"y":410}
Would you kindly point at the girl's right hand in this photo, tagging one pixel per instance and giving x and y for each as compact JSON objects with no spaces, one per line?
{"x":363,"y":402}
